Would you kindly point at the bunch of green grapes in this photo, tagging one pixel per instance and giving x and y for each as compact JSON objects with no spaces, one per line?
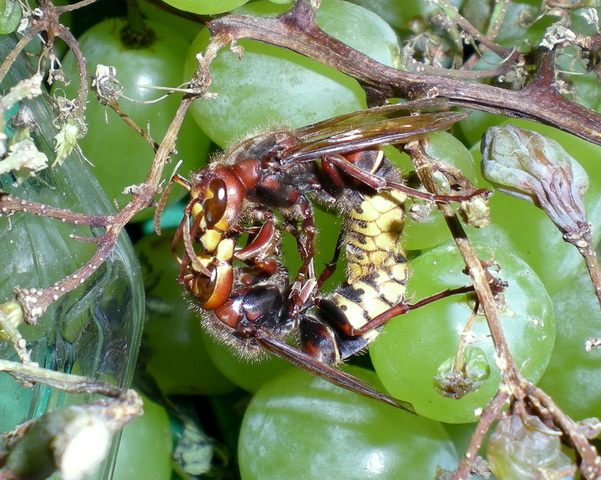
{"x":297,"y":426}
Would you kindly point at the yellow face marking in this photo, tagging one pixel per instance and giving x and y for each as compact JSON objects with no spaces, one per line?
{"x":211,"y":239}
{"x":222,"y":224}
{"x":196,"y":209}
{"x":225,"y":250}
{"x":204,"y":260}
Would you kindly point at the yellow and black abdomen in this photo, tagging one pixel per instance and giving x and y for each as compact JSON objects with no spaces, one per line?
{"x":377,"y":268}
{"x":376,"y":265}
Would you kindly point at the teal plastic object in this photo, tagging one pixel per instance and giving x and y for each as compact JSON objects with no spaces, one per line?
{"x":94,"y":330}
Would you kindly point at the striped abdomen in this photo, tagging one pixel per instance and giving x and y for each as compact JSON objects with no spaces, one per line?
{"x":377,"y":269}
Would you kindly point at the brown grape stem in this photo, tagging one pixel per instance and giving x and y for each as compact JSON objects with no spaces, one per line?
{"x":488,"y":417}
{"x":296,"y":30}
{"x":590,"y":466}
{"x":514,"y":387}
{"x":452,"y":12}
{"x":583,"y":241}
{"x":539,"y":101}
{"x":48,"y":22}
{"x":480,"y":280}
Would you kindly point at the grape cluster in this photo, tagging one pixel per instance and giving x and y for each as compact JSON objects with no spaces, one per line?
{"x":440,"y":357}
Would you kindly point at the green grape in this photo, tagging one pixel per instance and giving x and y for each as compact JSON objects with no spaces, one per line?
{"x":525,"y":448}
{"x":582,"y":17}
{"x":302,"y":427}
{"x":10,"y":16}
{"x":206,"y":7}
{"x":433,"y":230}
{"x":399,"y":14}
{"x":478,"y":13}
{"x":249,"y":375}
{"x":517,"y":26}
{"x":175,"y":354}
{"x":582,"y":84}
{"x":473,"y":127}
{"x":411,"y":354}
{"x":520,"y":26}
{"x":272,"y":86}
{"x":572,"y":378}
{"x":121,"y":157}
{"x":521,"y":228}
{"x":446,"y":148}
{"x":460,"y":434}
{"x":186,"y":28}
{"x":145,"y":447}
{"x":586,"y":90}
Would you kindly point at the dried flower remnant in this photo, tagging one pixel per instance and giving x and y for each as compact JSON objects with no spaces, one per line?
{"x":476,"y":212}
{"x":25,"y":89}
{"x":104,"y":82}
{"x":457,"y":377}
{"x":24,"y":159}
{"x":530,"y":166}
{"x":11,"y":317}
{"x":536,"y":168}
{"x":19,"y":153}
{"x":66,"y":140}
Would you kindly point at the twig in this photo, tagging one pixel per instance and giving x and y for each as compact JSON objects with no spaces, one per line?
{"x":474,"y":265}
{"x":453,"y":14}
{"x":65,"y":382}
{"x":538,"y":101}
{"x":489,"y":415}
{"x":590,"y":459}
{"x":10,"y":204}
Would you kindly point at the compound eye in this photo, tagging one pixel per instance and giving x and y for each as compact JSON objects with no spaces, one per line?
{"x":203,"y":287}
{"x":212,"y":292}
{"x":216,"y":205}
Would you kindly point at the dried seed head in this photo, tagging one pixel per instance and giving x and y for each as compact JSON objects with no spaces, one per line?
{"x":476,"y":212}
